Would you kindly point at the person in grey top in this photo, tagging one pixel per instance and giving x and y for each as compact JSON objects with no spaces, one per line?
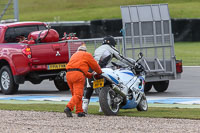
{"x":107,"y":51}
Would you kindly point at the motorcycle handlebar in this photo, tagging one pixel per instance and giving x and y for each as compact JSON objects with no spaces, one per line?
{"x":126,"y":59}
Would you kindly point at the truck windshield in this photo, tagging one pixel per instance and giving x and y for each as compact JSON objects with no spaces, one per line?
{"x":14,"y":32}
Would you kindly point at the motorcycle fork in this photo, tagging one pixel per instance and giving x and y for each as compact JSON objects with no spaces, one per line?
{"x":137,"y":95}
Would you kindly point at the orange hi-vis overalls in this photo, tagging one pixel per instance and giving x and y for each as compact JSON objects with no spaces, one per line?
{"x":79,"y":65}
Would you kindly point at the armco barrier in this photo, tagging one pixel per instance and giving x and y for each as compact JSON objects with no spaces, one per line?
{"x":186,"y":29}
{"x":183,"y":29}
{"x":100,"y":28}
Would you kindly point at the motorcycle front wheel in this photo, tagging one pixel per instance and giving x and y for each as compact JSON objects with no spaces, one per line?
{"x":143,"y":105}
{"x":107,"y":101}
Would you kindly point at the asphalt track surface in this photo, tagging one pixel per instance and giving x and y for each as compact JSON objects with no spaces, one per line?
{"x":178,"y":92}
{"x":187,"y":86}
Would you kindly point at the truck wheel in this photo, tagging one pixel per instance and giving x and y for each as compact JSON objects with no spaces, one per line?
{"x":61,"y":85}
{"x":161,"y":86}
{"x":7,"y":83}
{"x":147,"y":87}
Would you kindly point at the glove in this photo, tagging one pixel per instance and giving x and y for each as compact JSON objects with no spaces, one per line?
{"x":97,"y":76}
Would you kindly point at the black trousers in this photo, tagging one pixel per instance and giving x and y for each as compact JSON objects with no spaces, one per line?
{"x":89,"y":90}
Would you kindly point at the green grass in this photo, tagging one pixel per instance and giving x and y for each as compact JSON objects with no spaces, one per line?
{"x":80,"y":10}
{"x":189,"y":52}
{"x":155,"y":112}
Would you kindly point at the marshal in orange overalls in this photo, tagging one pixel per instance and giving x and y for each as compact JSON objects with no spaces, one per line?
{"x":79,"y":65}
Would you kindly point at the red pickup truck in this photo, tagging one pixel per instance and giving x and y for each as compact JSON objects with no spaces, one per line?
{"x":41,"y":56}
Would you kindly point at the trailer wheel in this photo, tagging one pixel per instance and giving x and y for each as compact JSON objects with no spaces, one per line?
{"x":147,"y":87}
{"x":7,"y":83}
{"x":161,"y":86}
{"x":61,"y":85}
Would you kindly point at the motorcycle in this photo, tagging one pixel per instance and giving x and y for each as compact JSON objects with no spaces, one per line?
{"x":122,"y":88}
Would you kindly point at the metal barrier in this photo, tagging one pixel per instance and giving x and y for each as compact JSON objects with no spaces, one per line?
{"x":92,"y":44}
{"x":9,"y":10}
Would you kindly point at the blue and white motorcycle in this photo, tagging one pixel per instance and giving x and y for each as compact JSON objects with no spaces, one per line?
{"x":122,"y":88}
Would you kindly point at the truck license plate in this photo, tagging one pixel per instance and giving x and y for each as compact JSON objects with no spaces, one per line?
{"x":56,"y":66}
{"x":98,"y":83}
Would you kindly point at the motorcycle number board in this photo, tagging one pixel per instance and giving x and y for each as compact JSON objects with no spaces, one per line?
{"x":98,"y":83}
{"x":56,"y":66}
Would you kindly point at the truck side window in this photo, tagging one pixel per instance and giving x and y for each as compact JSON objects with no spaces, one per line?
{"x":13,"y":33}
{"x":24,"y":31}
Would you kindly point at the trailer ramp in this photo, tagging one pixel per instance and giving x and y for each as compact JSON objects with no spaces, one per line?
{"x":147,"y":29}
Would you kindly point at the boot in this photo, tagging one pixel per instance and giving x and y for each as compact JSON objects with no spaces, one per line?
{"x":100,"y":110}
{"x":85,"y":105}
{"x":81,"y":114}
{"x":68,"y":112}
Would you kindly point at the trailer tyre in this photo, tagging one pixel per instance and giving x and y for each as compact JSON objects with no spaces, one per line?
{"x":7,"y":83}
{"x":61,"y":85}
{"x":161,"y":86}
{"x":147,"y":87}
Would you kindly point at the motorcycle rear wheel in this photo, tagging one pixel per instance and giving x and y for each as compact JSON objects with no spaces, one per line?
{"x":143,"y":105}
{"x":106,"y":101}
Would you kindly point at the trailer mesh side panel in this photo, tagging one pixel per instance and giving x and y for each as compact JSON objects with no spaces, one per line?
{"x":147,"y":29}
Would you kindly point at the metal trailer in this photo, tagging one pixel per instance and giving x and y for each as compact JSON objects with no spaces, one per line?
{"x":147,"y":29}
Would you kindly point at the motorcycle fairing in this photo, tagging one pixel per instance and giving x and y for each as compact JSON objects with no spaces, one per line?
{"x":127,"y":77}
{"x":130,"y":104}
{"x":129,"y":73}
{"x":113,"y":79}
{"x":109,"y":74}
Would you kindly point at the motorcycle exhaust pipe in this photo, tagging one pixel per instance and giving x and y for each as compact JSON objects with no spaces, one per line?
{"x":118,"y":91}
